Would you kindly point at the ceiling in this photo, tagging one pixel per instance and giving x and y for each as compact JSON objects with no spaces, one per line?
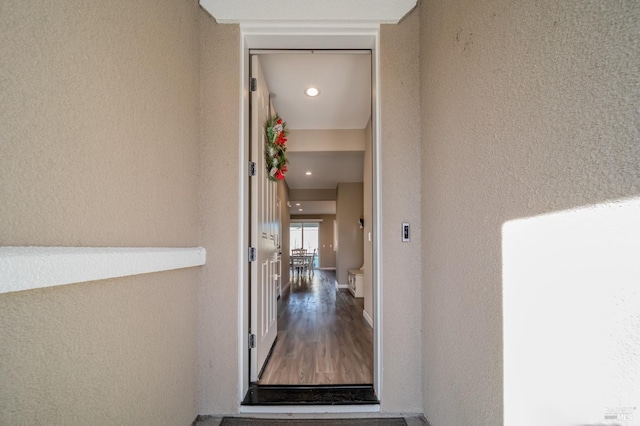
{"x":313,"y":207}
{"x":344,"y":81}
{"x":349,"y":12}
{"x":327,"y":168}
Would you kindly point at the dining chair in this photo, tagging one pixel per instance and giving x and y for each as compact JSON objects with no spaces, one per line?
{"x":298,"y":259}
{"x":310,"y":260}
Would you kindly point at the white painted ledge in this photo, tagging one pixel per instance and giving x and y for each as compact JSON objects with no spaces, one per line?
{"x":26,"y":268}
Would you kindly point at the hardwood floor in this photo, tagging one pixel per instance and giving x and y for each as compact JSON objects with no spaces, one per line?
{"x":322,"y":336}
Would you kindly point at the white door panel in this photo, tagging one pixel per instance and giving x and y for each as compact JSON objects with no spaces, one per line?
{"x":264,"y":271}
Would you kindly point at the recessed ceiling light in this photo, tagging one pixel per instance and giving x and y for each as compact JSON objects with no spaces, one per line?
{"x":312,"y":91}
{"x":299,"y":210}
{"x":308,"y":173}
{"x":297,"y":204}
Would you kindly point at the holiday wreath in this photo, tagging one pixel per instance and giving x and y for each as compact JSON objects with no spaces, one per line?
{"x":275,"y":148}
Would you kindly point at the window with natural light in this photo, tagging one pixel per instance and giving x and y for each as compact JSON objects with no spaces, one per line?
{"x":304,"y":235}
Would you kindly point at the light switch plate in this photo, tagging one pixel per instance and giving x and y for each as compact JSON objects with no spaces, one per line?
{"x":405,"y":232}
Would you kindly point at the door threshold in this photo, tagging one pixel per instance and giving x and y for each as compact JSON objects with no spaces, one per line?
{"x":310,"y":395}
{"x":340,"y":410}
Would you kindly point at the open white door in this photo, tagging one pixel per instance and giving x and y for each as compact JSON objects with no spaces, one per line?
{"x":264,"y":271}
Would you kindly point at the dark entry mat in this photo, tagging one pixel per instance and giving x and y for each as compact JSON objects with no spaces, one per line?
{"x":310,"y":395}
{"x":242,"y":421}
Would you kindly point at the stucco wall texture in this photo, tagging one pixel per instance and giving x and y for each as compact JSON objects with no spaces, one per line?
{"x":99,"y":109}
{"x":401,"y":195}
{"x":218,"y":367}
{"x":526,"y":108}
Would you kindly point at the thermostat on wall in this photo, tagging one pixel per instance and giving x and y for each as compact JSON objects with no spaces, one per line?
{"x":405,"y":232}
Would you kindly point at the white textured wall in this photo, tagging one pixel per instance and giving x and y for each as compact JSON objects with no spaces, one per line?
{"x":219,"y":200}
{"x":401,"y":169}
{"x":98,"y":147}
{"x":526,"y":108}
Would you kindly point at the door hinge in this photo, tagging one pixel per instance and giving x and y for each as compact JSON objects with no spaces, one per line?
{"x":252,"y":254}
{"x":252,"y":168}
{"x":252,"y":341}
{"x":253,"y":84}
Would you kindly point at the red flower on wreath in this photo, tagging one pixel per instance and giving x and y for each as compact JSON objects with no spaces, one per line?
{"x":281,"y":140}
{"x":279,"y":175}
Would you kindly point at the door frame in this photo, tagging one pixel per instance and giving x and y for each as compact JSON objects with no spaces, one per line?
{"x":265,"y":36}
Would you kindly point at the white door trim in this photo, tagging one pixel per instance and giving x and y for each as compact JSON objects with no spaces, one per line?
{"x":307,"y":37}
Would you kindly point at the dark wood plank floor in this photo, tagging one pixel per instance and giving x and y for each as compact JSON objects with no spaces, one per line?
{"x":322,"y":336}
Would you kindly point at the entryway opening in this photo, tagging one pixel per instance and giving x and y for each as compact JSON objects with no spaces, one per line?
{"x":326,"y":346}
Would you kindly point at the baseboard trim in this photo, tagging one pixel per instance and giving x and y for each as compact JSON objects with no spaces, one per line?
{"x":338,"y":285}
{"x":201,"y":418}
{"x":367,"y":317}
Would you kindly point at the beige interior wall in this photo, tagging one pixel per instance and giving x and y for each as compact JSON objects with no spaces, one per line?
{"x":325,"y":237}
{"x":348,"y":211}
{"x":218,"y":366}
{"x":400,"y":186}
{"x":312,"y":194}
{"x":327,"y":252}
{"x":367,"y":196}
{"x":99,"y":112}
{"x":313,"y":140}
{"x":283,"y":194}
{"x":526,"y":108}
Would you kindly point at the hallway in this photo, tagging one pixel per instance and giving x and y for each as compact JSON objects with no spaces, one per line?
{"x":322,"y":336}
{"x":505,"y":135}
